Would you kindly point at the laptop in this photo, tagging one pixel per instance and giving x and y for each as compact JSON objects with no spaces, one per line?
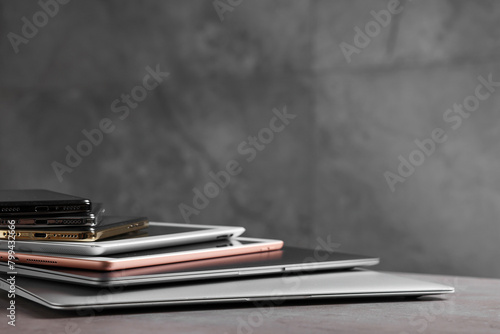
{"x":320,"y":285}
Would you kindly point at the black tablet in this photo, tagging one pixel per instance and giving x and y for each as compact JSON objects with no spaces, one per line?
{"x":287,"y":260}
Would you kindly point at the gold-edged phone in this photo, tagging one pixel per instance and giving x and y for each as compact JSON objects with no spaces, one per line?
{"x":110,"y":226}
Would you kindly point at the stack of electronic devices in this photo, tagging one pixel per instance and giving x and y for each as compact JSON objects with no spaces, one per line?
{"x":62,"y":251}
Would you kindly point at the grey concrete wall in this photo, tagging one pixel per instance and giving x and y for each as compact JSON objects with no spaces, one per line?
{"x":323,"y":174}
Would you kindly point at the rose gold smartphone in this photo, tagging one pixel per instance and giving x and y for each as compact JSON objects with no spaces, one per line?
{"x":151,"y":257}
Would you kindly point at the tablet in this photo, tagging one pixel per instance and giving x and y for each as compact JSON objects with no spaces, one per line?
{"x":155,"y":236}
{"x":286,"y":260}
{"x":149,"y":257}
{"x":327,"y":285}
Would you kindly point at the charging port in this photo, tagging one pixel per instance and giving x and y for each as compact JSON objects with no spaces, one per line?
{"x":224,"y":236}
{"x":40,"y":235}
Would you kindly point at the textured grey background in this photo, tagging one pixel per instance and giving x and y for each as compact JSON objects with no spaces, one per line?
{"x":320,"y":177}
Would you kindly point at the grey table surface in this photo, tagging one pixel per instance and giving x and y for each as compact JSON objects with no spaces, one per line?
{"x":473,"y":308}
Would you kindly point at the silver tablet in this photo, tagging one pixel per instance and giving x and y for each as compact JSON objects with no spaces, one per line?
{"x":276,"y":289}
{"x":155,"y":236}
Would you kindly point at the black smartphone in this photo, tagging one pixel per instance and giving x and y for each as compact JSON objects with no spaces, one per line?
{"x":40,"y":202}
{"x":92,"y":218}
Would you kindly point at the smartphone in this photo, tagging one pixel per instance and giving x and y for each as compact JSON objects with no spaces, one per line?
{"x":89,"y":219}
{"x":151,"y":257}
{"x":40,"y":202}
{"x":110,"y":226}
